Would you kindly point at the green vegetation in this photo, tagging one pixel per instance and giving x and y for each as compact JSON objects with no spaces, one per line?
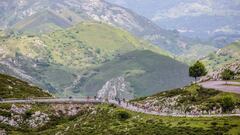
{"x":195,"y":52}
{"x":196,"y":96}
{"x":56,"y":60}
{"x":84,"y":45}
{"x":147,"y":73}
{"x":227,"y":55}
{"x":227,"y":103}
{"x":11,"y":87}
{"x":197,"y":70}
{"x":227,"y":75}
{"x":108,"y":119}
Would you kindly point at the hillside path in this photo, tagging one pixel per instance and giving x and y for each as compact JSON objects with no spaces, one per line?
{"x":221,"y":85}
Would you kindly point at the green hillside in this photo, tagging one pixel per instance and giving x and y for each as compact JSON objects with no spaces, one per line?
{"x":224,"y":56}
{"x":192,"y":99}
{"x":81,"y":46}
{"x":147,"y":73}
{"x":109,"y":119}
{"x":89,"y":44}
{"x":11,"y":87}
{"x":56,"y":60}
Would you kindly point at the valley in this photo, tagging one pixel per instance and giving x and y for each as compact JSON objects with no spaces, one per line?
{"x":89,"y":67}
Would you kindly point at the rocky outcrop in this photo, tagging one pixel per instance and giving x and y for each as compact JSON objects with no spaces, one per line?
{"x":31,"y":116}
{"x":173,"y":106}
{"x":116,"y":88}
{"x":20,"y":110}
{"x":20,"y":115}
{"x":38,"y":119}
{"x":216,"y":74}
{"x":69,"y":110}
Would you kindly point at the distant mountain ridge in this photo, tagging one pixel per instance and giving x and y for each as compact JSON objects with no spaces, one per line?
{"x":214,"y":20}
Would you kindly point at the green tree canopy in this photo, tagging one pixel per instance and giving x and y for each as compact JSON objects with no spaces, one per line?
{"x":197,"y":70}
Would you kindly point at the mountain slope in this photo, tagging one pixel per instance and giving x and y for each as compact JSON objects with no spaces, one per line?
{"x":26,"y":15}
{"x":14,"y":88}
{"x":193,"y":99}
{"x":227,"y":55}
{"x":138,"y":73}
{"x":55,"y":61}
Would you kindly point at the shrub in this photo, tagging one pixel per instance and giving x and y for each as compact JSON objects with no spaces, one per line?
{"x":227,"y":103}
{"x":123,"y":115}
{"x":28,"y":114}
{"x":4,"y":113}
{"x":113,"y":106}
{"x":214,"y":123}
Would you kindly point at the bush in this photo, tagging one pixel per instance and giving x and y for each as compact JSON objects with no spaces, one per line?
{"x":214,"y":123}
{"x":28,"y":114}
{"x":4,"y":113}
{"x":123,"y":115}
{"x":113,"y":106}
{"x":227,"y":103}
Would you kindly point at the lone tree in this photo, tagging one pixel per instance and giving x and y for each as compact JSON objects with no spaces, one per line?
{"x":227,"y":74}
{"x":197,"y":70}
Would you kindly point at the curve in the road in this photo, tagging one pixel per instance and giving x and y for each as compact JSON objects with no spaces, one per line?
{"x":221,"y":85}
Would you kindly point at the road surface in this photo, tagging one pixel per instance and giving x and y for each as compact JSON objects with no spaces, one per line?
{"x":220,"y":85}
{"x":123,"y":105}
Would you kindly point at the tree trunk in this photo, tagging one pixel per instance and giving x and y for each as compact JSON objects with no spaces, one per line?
{"x":195,"y":80}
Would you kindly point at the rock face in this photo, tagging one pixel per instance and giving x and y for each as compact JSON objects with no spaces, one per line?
{"x":116,"y":88}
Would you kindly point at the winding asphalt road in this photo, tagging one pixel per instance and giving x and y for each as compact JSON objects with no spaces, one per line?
{"x":221,"y":85}
{"x":123,"y":105}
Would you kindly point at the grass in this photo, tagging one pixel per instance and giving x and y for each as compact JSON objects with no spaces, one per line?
{"x":108,"y":119}
{"x":11,"y":87}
